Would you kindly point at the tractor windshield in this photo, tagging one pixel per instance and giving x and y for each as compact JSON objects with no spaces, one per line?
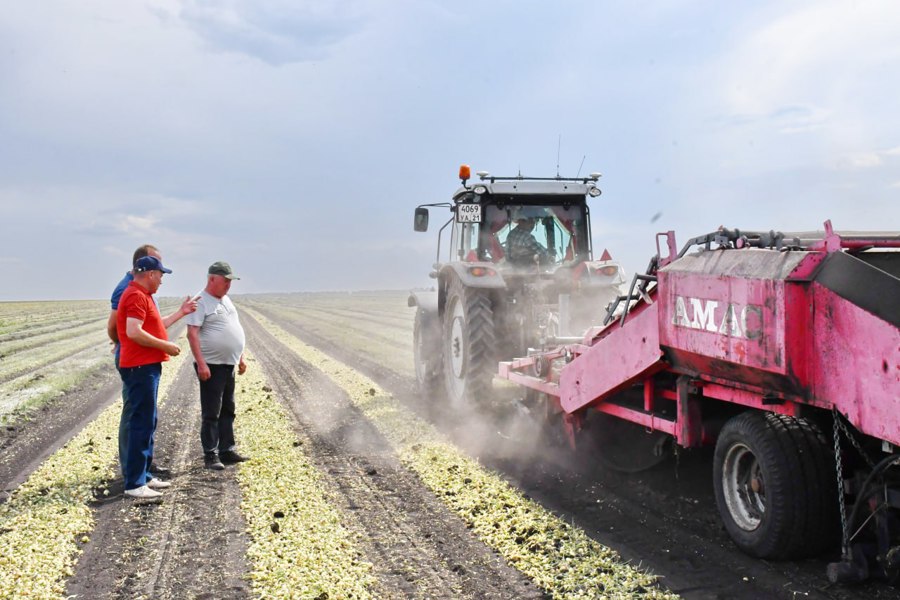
{"x":559,"y":234}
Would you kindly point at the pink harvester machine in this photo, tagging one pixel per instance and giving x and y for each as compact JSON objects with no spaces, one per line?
{"x":783,"y":351}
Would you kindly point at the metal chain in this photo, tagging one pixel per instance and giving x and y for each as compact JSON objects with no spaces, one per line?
{"x":839,"y":469}
{"x":839,"y":421}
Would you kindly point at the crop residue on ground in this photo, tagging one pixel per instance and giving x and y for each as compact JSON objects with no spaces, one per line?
{"x":299,"y":547}
{"x":559,"y":557}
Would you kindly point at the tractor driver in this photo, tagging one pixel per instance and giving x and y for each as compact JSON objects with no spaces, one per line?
{"x":522,"y":248}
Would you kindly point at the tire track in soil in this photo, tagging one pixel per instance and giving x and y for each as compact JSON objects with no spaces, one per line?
{"x":30,"y":370}
{"x":417,"y":547}
{"x":664,"y":519}
{"x":26,"y":443}
{"x":190,"y":543}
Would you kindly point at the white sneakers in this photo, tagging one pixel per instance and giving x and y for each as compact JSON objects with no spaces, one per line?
{"x":149,"y":490}
{"x":142,"y":492}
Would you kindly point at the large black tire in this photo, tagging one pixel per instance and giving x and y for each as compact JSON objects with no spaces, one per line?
{"x":469,"y":346}
{"x":775,"y":486}
{"x":427,"y":354}
{"x":623,"y":446}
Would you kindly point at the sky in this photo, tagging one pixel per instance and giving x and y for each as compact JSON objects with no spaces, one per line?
{"x":293,"y":139}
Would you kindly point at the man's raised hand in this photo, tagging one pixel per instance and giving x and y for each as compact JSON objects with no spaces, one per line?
{"x":189,"y":305}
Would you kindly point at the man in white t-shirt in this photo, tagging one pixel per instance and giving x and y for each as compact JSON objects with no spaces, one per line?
{"x":217,"y":342}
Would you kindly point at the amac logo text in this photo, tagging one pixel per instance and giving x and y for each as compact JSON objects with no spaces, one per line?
{"x":734,"y":320}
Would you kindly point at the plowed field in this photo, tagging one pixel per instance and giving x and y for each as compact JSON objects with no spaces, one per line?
{"x":357,"y":487}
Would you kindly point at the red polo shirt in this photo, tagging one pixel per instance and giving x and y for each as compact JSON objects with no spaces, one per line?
{"x":137,"y":303}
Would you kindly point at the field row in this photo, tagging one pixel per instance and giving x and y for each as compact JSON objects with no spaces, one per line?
{"x":38,"y":317}
{"x":389,"y":346}
{"x":559,"y":557}
{"x":50,"y":347}
{"x":48,"y":518}
{"x":305,"y":547}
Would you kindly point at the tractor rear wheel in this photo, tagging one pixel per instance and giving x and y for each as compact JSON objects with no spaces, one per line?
{"x":775,"y":486}
{"x":427,"y":353}
{"x":469,"y":350}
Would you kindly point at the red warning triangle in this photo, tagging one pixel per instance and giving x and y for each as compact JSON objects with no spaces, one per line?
{"x":606,"y":255}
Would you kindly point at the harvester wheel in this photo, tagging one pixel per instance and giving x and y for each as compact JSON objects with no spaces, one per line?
{"x":469,"y":351}
{"x":775,"y":486}
{"x":427,"y":353}
{"x":624,"y":446}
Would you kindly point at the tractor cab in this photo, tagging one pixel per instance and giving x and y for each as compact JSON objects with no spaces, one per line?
{"x":518,"y":273}
{"x":500,"y":218}
{"x":539,"y":234}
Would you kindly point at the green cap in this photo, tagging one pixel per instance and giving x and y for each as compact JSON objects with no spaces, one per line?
{"x":222,"y":268}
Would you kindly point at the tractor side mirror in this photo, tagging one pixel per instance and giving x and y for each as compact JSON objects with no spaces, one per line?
{"x":420,"y":222}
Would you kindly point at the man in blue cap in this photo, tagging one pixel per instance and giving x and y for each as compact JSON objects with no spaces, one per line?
{"x":144,"y":346}
{"x":188,"y":306}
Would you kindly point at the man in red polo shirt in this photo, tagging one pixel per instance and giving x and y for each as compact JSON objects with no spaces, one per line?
{"x":145,"y":346}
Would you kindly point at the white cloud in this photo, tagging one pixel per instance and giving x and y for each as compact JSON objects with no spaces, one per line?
{"x":799,"y":119}
{"x":861,"y":161}
{"x":276,"y":32}
{"x":134,"y":225}
{"x":821,"y":54}
{"x":868,"y":160}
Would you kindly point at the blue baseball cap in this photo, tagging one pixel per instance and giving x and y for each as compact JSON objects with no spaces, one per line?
{"x":149,"y":263}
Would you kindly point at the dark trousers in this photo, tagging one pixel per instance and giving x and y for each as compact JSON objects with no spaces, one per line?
{"x":139,"y":388}
{"x":217,"y":409}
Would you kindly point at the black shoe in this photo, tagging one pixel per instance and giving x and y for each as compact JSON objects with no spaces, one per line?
{"x":158,"y":469}
{"x":211,"y":461}
{"x":230,"y":457}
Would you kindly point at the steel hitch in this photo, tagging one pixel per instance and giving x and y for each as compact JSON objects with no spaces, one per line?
{"x":852,"y":569}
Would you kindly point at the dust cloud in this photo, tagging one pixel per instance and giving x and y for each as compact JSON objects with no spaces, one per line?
{"x":509,"y":430}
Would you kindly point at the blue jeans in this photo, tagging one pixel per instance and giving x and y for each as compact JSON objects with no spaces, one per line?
{"x":123,"y":421}
{"x":126,"y":409}
{"x":140,"y":386}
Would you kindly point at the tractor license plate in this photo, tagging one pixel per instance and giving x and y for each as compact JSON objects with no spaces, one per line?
{"x":468,"y":213}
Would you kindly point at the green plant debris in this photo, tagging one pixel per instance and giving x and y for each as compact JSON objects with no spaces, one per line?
{"x":557,"y":556}
{"x":299,"y":547}
{"x":47,"y":518}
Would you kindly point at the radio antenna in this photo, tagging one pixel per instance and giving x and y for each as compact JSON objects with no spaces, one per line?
{"x":581,"y":165}
{"x":558,"y":146}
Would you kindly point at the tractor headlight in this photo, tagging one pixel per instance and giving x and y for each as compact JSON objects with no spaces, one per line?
{"x":593,"y":191}
{"x":480,"y":189}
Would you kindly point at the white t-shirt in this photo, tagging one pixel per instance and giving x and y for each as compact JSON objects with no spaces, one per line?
{"x":221,"y":335}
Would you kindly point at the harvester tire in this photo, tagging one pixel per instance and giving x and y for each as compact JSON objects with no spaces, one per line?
{"x":469,"y":351}
{"x":775,"y":486}
{"x":427,"y":354}
{"x":623,"y":446}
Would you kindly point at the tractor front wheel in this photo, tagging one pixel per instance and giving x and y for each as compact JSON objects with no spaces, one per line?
{"x":469,"y":350}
